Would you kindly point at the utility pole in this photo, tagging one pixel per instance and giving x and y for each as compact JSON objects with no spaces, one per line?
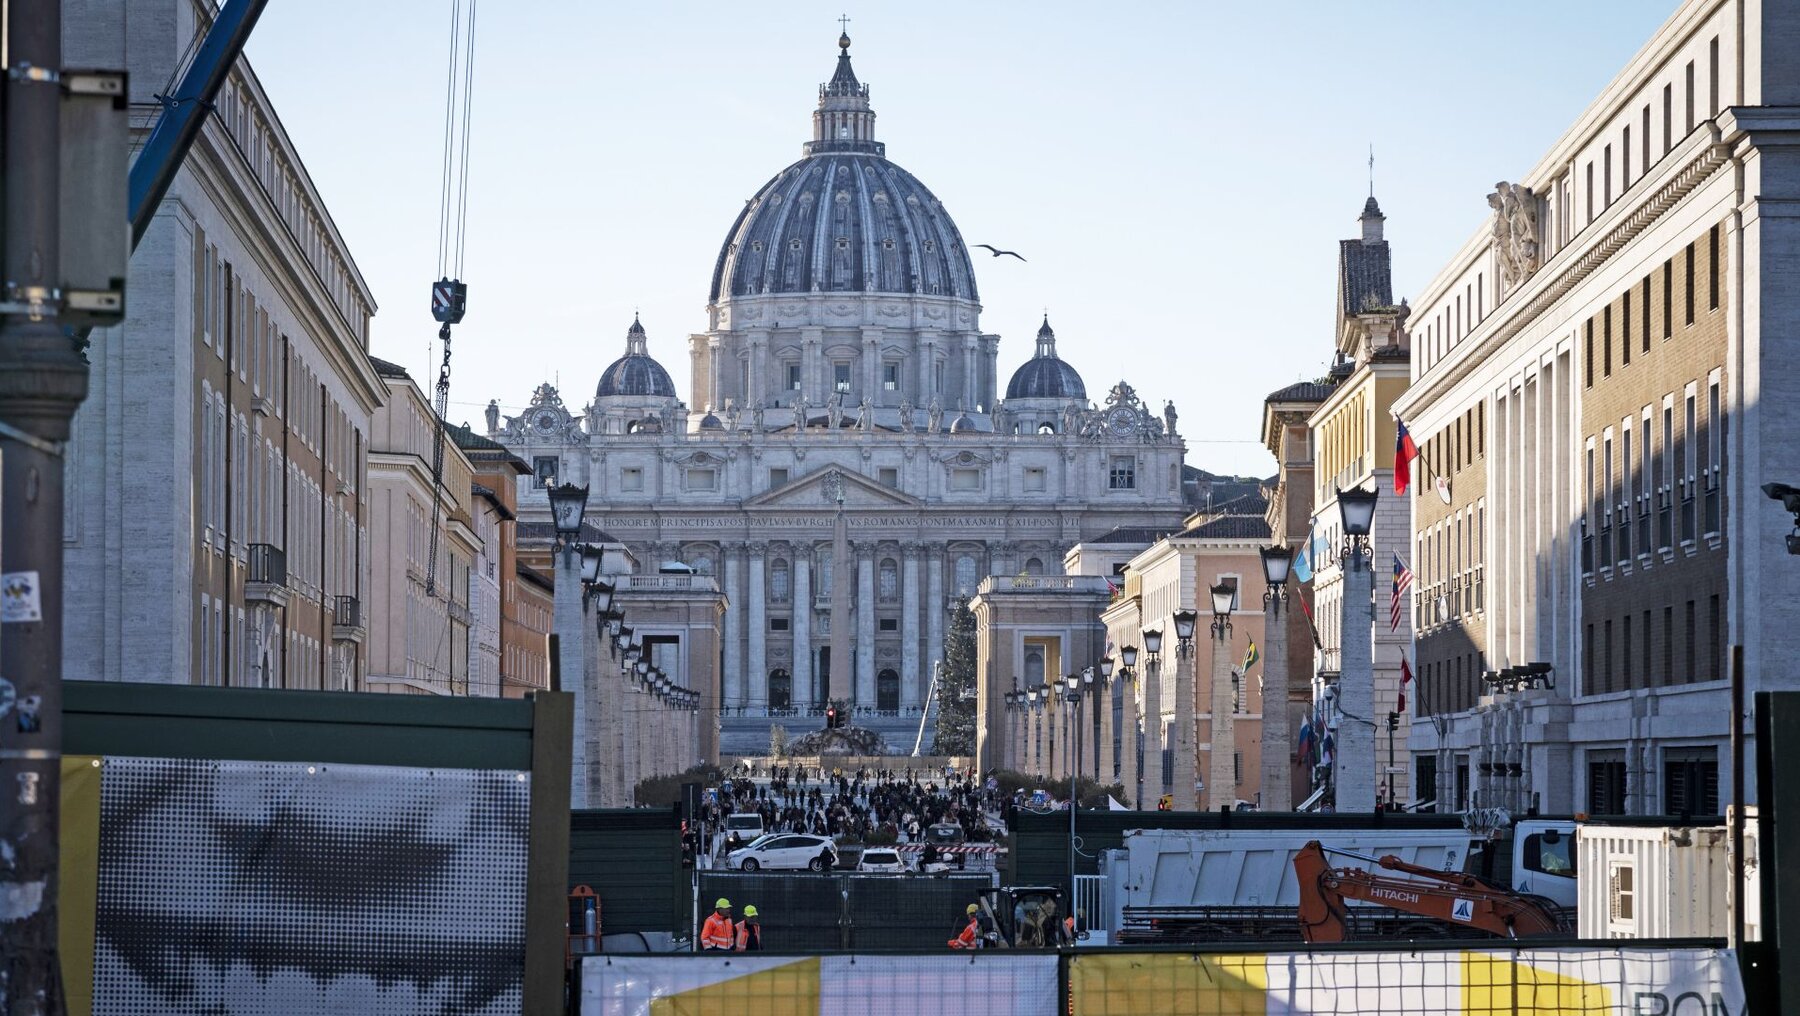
{"x":42,"y":382}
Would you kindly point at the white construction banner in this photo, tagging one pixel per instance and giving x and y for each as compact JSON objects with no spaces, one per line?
{"x":1608,"y":982}
{"x":744,"y":984}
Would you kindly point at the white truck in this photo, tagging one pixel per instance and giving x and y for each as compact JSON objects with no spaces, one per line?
{"x":1664,"y":881}
{"x":1202,"y":885}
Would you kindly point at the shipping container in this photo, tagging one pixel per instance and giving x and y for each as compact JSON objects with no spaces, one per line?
{"x":1663,"y":881}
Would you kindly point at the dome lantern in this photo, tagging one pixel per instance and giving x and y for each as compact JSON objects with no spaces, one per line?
{"x":636,"y":374}
{"x":1046,"y":375}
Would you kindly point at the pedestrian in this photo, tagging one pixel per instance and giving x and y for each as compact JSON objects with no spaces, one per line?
{"x":749,"y":931}
{"x":716,"y":934}
{"x":969,"y":938}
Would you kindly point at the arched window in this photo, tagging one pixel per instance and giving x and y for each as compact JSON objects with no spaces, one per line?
{"x":890,"y":579}
{"x":965,"y":575}
{"x":1046,"y":428}
{"x":781,"y":690}
{"x":887,"y":691}
{"x":1034,"y":668}
{"x":778,"y":581}
{"x":1034,"y":566}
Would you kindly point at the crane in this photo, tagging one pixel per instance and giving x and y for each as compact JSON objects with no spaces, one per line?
{"x":449,"y":295}
{"x":1450,"y":896}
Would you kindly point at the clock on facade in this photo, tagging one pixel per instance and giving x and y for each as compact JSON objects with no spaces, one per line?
{"x":545,"y":420}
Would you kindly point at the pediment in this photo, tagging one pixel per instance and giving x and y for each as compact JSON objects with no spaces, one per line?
{"x":808,"y":491}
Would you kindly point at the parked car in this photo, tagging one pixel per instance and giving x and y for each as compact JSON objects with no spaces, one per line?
{"x":742,"y":829}
{"x":884,"y":859}
{"x":785,"y":850}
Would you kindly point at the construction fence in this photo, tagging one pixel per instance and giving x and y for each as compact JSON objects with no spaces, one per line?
{"x":1484,"y":981}
{"x":819,"y":912}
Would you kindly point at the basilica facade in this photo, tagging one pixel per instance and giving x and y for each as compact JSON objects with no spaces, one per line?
{"x":844,"y":387}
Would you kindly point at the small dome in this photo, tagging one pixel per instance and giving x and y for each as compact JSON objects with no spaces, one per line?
{"x":1371,"y":210}
{"x":636,"y":373}
{"x":1046,"y":376}
{"x":963,"y":425}
{"x":711,"y":422}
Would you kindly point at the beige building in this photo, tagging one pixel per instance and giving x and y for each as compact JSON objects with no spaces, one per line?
{"x":1031,"y":633}
{"x":526,"y":607}
{"x":1287,"y":434}
{"x":218,"y":510}
{"x":1605,"y":370}
{"x":421,"y":621}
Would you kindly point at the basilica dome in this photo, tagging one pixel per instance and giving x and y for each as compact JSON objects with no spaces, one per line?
{"x":843,"y":219}
{"x":1046,"y":375}
{"x":636,"y":373}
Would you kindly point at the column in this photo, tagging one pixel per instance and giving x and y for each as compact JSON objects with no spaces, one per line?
{"x":1053,"y":753}
{"x":865,"y":627}
{"x":732,"y":656}
{"x":910,"y":696}
{"x":802,"y":625}
{"x":1128,"y":721}
{"x":1276,"y":773}
{"x":757,"y":391}
{"x":1103,"y":739}
{"x":757,"y":669}
{"x":1355,"y":769}
{"x":934,"y":608}
{"x":927,"y":366}
{"x":1150,"y":766}
{"x":813,"y":383}
{"x":969,"y":379}
{"x":572,"y":633}
{"x":1221,"y":775}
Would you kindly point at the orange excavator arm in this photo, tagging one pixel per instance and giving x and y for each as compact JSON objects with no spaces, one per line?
{"x":1449,"y":896}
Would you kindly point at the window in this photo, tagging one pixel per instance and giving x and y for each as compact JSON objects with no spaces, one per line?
{"x":965,"y":575}
{"x":631,"y":478}
{"x":1606,"y":500}
{"x":778,"y":624}
{"x":1646,"y":479}
{"x":1715,"y":636}
{"x":1644,"y":325}
{"x":1551,"y":852}
{"x":778,"y":581}
{"x":1712,"y":269}
{"x":1712,"y":77}
{"x":1684,"y":467}
{"x":1645,"y":140}
{"x":1123,"y":475}
{"x":793,"y":377}
{"x":1587,"y":518}
{"x":890,"y":377}
{"x":888,"y":579}
{"x":1626,"y":486}
{"x":1605,"y":341}
{"x":1710,"y":445}
{"x":889,"y":476}
{"x":1691,"y":781}
{"x":1606,"y":782}
{"x":703,"y":479}
{"x":1625,"y":159}
{"x":890,"y":624}
{"x":1668,"y":118}
{"x":840,"y":377}
{"x":1668,"y":301}
{"x":1590,"y":191}
{"x":1606,"y":657}
{"x":1688,"y":293}
{"x":543,"y":468}
{"x":1034,"y":477}
{"x":1688,"y":95}
{"x":965,"y":479}
{"x":1588,"y":370}
{"x":1668,"y":646}
{"x":1621,"y":895}
{"x":1607,"y":178}
{"x":1690,"y":645}
{"x":1646,"y":661}
{"x":777,"y":477}
{"x":1665,"y":471}
{"x":1624,"y":330}
{"x":1425,"y":779}
{"x":1625,"y":680}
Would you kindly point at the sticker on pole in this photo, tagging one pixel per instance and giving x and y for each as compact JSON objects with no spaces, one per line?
{"x":1462,"y":910}
{"x":19,"y":599}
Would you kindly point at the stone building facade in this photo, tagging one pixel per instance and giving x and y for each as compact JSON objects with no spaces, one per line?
{"x":1619,"y":339}
{"x":217,"y":501}
{"x":1287,"y":435}
{"x":844,"y":352}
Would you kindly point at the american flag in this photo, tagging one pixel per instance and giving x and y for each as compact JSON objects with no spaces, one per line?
{"x":1402,"y":582}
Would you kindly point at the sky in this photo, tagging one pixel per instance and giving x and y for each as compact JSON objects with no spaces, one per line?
{"x":1176,"y":174}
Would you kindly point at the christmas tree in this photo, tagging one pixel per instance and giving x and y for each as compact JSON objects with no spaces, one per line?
{"x":956,"y":685}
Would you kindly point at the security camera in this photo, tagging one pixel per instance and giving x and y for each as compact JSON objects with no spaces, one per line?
{"x":1788,"y":495}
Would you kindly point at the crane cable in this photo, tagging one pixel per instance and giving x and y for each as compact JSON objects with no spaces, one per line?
{"x":449,"y":295}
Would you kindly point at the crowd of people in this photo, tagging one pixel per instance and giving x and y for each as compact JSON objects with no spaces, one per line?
{"x":864,"y":805}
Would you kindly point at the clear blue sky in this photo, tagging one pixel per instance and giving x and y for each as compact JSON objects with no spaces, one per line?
{"x":1178,"y":174}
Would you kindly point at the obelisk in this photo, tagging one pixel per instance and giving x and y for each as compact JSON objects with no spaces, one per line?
{"x":843,"y":677}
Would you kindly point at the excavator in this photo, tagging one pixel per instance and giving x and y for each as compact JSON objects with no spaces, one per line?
{"x":1453,"y":897}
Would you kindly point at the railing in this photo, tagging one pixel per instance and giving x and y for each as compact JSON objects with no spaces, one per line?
{"x":268,"y":564}
{"x":1090,"y":900}
{"x":347,"y":612}
{"x":1044,"y":583}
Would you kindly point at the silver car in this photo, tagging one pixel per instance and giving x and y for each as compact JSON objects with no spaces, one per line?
{"x":790,"y":851}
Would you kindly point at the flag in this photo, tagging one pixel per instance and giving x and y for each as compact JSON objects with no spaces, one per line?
{"x":1310,"y":623}
{"x":1402,"y":582}
{"x":1111,"y":589}
{"x":1251,"y":655}
{"x":1405,"y":679}
{"x":1404,"y":452}
{"x":1306,"y":741}
{"x":1302,"y":568}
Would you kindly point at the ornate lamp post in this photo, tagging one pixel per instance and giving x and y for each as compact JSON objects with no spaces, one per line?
{"x":1160,"y":742}
{"x":1277,"y":771}
{"x":1072,"y":725}
{"x":1032,"y":723}
{"x":1222,"y":772}
{"x":1354,"y":771}
{"x":1186,"y":795}
{"x":568,"y":503}
{"x":1104,"y":768}
{"x":1132,"y":775}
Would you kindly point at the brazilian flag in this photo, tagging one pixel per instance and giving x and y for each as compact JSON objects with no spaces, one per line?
{"x":1251,"y":655}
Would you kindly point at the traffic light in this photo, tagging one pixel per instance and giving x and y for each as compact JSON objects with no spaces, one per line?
{"x":831,"y":718}
{"x":1393,"y":721}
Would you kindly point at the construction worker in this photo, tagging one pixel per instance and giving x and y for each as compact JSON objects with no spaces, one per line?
{"x":749,"y":931}
{"x":716,"y":934}
{"x":969,"y":938}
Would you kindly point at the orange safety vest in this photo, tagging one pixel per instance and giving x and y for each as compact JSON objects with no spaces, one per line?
{"x":965,"y":940}
{"x":749,"y":937}
{"x":716,"y":933}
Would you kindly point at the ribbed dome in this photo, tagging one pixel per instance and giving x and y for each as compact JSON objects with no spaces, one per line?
{"x":1046,"y":376}
{"x":636,"y":373}
{"x":843,"y":219}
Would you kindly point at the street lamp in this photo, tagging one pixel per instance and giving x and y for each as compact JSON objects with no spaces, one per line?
{"x":1131,"y":775}
{"x":567,"y":505}
{"x":1221,"y":777}
{"x":1222,"y":595}
{"x":1277,"y":772}
{"x":1356,"y":509}
{"x":1353,"y":777}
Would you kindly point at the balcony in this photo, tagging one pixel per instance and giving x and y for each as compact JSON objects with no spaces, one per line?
{"x":266,"y":581}
{"x":347,"y":621}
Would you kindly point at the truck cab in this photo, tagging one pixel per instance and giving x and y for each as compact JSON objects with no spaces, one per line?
{"x":1544,"y":859}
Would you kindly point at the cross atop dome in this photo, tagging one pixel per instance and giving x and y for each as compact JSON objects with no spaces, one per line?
{"x":1046,"y":338}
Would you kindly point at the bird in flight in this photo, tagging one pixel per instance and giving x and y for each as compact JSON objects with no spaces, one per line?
{"x":997,"y":252}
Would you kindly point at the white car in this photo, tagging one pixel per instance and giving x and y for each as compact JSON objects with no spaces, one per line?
{"x":785,"y":850}
{"x":884,"y":859}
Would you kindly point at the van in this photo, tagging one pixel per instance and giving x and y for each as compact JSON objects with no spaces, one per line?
{"x":745,"y":825}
